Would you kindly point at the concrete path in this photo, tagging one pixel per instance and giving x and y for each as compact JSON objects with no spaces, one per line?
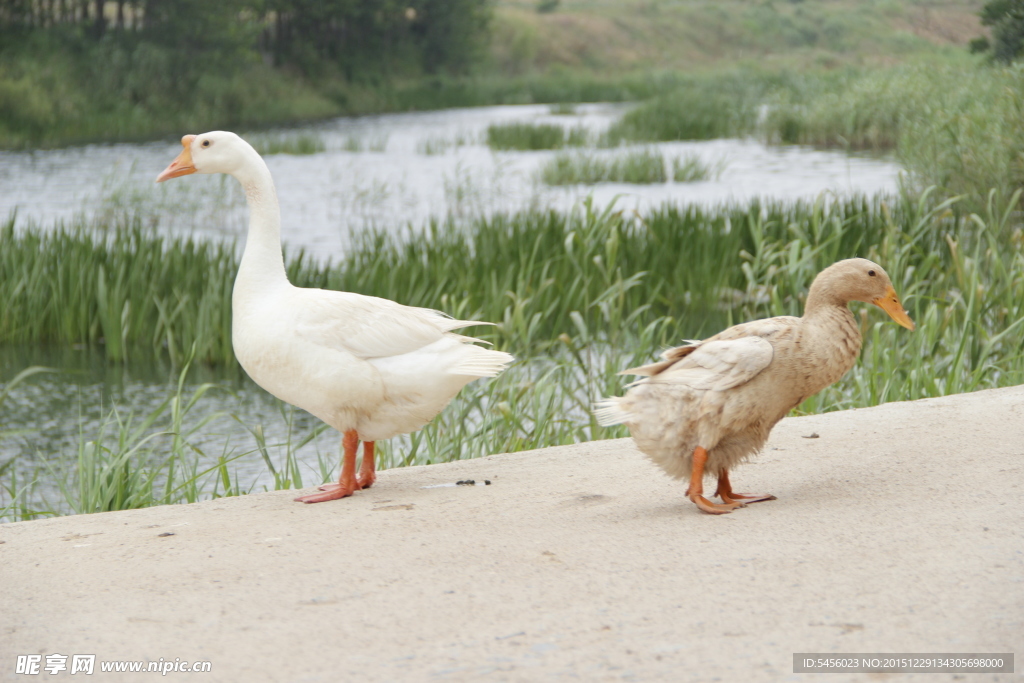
{"x":898,"y":529}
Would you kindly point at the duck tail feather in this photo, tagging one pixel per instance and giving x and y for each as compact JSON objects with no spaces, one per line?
{"x":609,"y":411}
{"x":449,"y":324}
{"x":486,"y":363}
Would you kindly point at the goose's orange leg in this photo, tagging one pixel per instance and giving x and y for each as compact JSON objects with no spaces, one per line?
{"x":727,"y":495}
{"x":367,"y":471}
{"x":696,"y":490}
{"x":347,"y":484}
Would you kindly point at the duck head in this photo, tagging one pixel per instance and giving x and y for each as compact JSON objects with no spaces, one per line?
{"x":858,"y":279}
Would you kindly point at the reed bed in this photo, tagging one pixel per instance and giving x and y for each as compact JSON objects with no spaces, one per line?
{"x":534,"y":136}
{"x":360,"y":143}
{"x":439,"y":144}
{"x":587,"y":168}
{"x":287,"y":143}
{"x":126,"y":288}
{"x":957,"y":127}
{"x":577,"y":297}
{"x":691,"y":168}
{"x":641,"y":166}
{"x":701,"y":107}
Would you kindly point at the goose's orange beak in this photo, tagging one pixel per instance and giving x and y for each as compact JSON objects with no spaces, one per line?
{"x":890,"y":303}
{"x":182,"y":165}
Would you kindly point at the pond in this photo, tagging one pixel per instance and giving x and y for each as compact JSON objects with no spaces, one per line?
{"x":387,"y":171}
{"x":409,"y":169}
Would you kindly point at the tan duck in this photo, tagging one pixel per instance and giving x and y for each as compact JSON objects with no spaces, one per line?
{"x":711,"y":404}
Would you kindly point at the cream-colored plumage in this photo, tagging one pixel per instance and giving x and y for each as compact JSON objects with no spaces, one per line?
{"x":369,"y":367}
{"x":723,"y":395}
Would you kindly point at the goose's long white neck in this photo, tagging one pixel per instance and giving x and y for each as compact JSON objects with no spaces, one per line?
{"x":262,"y":265}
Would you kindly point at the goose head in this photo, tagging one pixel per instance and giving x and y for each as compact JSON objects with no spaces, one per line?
{"x":214,"y":152}
{"x":858,"y":279}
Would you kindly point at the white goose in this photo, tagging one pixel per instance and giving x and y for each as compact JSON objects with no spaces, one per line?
{"x":369,"y":367}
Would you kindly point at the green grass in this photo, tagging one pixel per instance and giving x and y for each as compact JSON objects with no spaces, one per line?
{"x":642,"y":166}
{"x":296,"y":144}
{"x":577,"y":297}
{"x":554,"y":87}
{"x":955,"y":127}
{"x":534,"y":136}
{"x":959,"y":127}
{"x":698,"y":108}
{"x":153,"y":296}
{"x":563,"y":109}
{"x":132,"y":291}
{"x":60,"y":92}
{"x":613,"y":37}
{"x":691,"y":168}
{"x":437,"y":144}
{"x":358,"y":143}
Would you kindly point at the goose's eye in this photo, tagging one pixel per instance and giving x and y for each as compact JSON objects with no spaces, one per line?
{"x":870,"y":272}
{"x":206,"y":143}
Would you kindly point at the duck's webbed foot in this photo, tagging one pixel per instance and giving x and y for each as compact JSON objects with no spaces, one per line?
{"x":707,"y":506}
{"x":729,"y":496}
{"x":330,"y":492}
{"x":347,"y":483}
{"x":696,"y":490}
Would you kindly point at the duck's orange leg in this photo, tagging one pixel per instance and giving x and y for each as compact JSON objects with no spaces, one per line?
{"x":367,"y":471}
{"x":727,"y":495}
{"x":347,"y":484}
{"x":696,"y":490}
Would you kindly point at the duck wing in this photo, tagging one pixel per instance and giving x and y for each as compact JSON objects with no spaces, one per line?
{"x":730,"y":358}
{"x":719,"y":365}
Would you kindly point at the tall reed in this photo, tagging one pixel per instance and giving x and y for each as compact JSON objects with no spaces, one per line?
{"x":534,"y":136}
{"x":145,"y":294}
{"x":587,"y":168}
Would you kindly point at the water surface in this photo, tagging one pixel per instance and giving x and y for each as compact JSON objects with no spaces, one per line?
{"x":393,"y":182}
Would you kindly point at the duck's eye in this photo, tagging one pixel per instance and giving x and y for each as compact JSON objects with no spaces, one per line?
{"x":871,"y":273}
{"x":206,"y":143}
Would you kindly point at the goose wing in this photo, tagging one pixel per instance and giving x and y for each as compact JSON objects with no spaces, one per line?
{"x":369,"y":327}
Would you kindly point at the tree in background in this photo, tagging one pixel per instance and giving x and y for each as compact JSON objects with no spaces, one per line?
{"x":451,"y":33}
{"x":355,"y":38}
{"x":110,"y":68}
{"x":1006,"y":17}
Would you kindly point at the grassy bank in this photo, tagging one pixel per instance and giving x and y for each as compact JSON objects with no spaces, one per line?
{"x":612,"y":37}
{"x":958,"y":127}
{"x":59,"y":86}
{"x":51,"y":96}
{"x":577,"y":297}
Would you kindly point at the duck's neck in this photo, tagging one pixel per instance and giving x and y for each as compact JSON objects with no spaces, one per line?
{"x":831,"y":309}
{"x":262,"y":261}
{"x":824,"y":297}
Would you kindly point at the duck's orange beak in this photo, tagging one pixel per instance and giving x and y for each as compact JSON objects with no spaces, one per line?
{"x":890,"y":303}
{"x":182,"y":165}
